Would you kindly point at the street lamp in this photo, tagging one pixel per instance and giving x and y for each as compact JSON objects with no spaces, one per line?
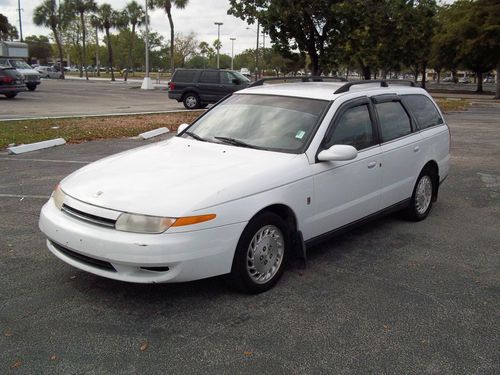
{"x":232,"y":52}
{"x":219,"y":24}
{"x":147,"y":84}
{"x":256,"y":53}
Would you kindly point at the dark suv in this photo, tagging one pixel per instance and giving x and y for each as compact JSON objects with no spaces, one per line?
{"x":198,"y":87}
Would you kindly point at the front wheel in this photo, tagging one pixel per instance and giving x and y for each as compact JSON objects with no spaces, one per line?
{"x":423,"y":195}
{"x":191,"y":101}
{"x":31,"y":87}
{"x":261,"y":253}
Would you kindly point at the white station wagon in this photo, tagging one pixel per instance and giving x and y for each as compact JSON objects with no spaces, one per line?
{"x":252,"y":181}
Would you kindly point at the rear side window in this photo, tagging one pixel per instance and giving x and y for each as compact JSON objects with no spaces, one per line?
{"x":354,"y":128}
{"x":424,"y":110}
{"x":209,"y":77}
{"x":184,"y":76}
{"x":394,"y":121}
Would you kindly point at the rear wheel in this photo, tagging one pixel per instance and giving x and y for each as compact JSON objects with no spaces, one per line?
{"x":261,"y":253}
{"x":191,"y":101}
{"x":423,"y":195}
{"x":11,"y":95}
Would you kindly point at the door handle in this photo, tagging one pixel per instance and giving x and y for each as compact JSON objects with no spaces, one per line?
{"x":372,"y":164}
{"x":416,"y":149}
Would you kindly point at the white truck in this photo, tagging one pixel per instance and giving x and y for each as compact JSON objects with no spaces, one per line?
{"x":13,"y":55}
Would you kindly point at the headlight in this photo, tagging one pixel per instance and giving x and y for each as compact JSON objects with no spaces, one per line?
{"x":153,"y":224}
{"x":143,"y":224}
{"x":58,"y":196}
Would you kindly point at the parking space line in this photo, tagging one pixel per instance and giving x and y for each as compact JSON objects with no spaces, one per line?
{"x":22,"y":196}
{"x":49,"y":160}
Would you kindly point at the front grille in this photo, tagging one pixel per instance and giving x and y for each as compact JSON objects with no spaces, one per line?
{"x":83,"y":258}
{"x":30,"y":78}
{"x":98,"y":220}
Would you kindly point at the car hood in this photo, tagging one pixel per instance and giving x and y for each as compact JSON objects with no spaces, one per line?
{"x":28,"y":71}
{"x":180,"y":176}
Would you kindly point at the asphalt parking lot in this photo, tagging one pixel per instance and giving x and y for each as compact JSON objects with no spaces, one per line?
{"x":391,"y":297}
{"x":79,"y":98}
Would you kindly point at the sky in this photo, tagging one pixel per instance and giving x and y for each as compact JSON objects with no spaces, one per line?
{"x":198,"y":17}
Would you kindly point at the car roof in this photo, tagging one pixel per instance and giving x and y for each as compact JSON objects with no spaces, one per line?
{"x":326,"y":90}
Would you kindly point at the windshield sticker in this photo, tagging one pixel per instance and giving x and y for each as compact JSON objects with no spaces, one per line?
{"x":300,"y":134}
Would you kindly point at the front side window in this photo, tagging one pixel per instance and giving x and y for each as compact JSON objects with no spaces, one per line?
{"x":209,"y":77}
{"x":227,"y":78}
{"x":354,"y":128}
{"x":394,"y":121}
{"x":276,"y":123}
{"x":424,"y":110}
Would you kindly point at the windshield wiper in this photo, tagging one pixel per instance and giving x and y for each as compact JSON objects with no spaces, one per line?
{"x":195,"y":136}
{"x":237,"y":142}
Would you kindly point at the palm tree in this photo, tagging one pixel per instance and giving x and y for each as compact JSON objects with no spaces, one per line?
{"x":106,"y":18}
{"x":135,"y":16}
{"x":81,"y":8}
{"x":49,"y":14}
{"x":166,"y":5}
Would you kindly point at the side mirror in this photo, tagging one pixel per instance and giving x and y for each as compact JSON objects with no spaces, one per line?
{"x":181,"y":128}
{"x":338,"y":153}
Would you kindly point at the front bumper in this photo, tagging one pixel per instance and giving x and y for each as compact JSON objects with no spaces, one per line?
{"x":188,"y":255}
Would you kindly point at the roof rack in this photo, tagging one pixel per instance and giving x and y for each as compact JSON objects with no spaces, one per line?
{"x":260,"y":82}
{"x":383,"y":83}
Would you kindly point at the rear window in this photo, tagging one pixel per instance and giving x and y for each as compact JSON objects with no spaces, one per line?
{"x":424,"y":110}
{"x":209,"y":77}
{"x":394,"y":121}
{"x":184,"y":76}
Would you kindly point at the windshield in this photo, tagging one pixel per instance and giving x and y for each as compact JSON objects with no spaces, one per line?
{"x":241,"y":77}
{"x":276,"y":123}
{"x":19,"y":64}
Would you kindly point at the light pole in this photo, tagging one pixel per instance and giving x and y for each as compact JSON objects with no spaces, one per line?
{"x":219,"y":24}
{"x":256,"y":53}
{"x":232,"y":52}
{"x":19,"y":9}
{"x":147,"y":84}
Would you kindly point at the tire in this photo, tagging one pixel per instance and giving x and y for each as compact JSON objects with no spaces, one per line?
{"x":261,"y":254}
{"x":11,"y":95}
{"x":191,"y":100}
{"x":31,"y":87}
{"x":424,"y":194}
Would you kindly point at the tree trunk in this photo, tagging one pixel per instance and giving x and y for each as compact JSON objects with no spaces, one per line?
{"x":171,"y":22}
{"x":97,"y":61}
{"x":131,"y":45}
{"x":479,"y":76}
{"x":438,"y":71}
{"x":82,"y":19}
{"x":367,"y":74}
{"x":59,"y":49}
{"x":497,"y":95}
{"x":424,"y":68}
{"x":110,"y":54}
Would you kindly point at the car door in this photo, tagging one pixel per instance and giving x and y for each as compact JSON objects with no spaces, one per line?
{"x":208,"y":86}
{"x":400,"y":147}
{"x":230,"y":83}
{"x":346,"y":191}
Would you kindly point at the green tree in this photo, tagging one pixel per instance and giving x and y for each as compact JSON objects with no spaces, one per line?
{"x":301,"y":25}
{"x":167,"y":5}
{"x":7,"y":31}
{"x":81,"y":8}
{"x":39,"y":47}
{"x":50,"y":14}
{"x":135,"y":17}
{"x":106,"y":19}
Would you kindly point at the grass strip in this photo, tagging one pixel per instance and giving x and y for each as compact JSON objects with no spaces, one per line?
{"x":77,"y":130}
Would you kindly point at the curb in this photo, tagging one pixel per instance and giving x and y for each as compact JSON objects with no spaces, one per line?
{"x":154,"y":133}
{"x":35,"y":146}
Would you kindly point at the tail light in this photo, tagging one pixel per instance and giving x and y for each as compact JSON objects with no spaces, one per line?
{"x":6,"y":79}
{"x":171,"y":85}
